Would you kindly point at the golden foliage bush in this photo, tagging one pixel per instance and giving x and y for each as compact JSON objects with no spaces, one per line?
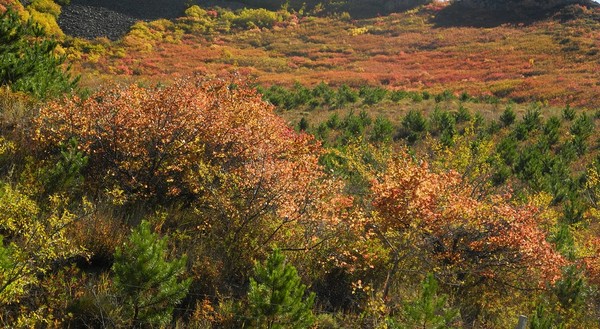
{"x":47,"y":21}
{"x":46,"y":6}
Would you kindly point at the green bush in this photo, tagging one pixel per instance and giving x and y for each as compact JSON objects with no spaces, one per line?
{"x":276,"y":296}
{"x":416,"y":97}
{"x":414,"y":126}
{"x":398,"y":95}
{"x":446,"y":95}
{"x":583,"y":127}
{"x":521,"y":132}
{"x":532,"y":118}
{"x":429,"y":310}
{"x":250,"y":18}
{"x":568,"y":113}
{"x":544,"y":319}
{"x":355,"y":125}
{"x":551,"y":130}
{"x":333,"y":122}
{"x":301,"y":95}
{"x":444,"y":124}
{"x":382,"y":131}
{"x":508,"y":116}
{"x":27,"y":60}
{"x":303,"y":124}
{"x":345,"y":95}
{"x":148,"y":284}
{"x":322,"y":95}
{"x":508,"y":150}
{"x":372,"y":95}
{"x":463,"y":114}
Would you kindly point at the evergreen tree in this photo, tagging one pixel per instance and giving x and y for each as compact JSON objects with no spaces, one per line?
{"x":276,"y":296}
{"x":414,"y":126}
{"x":543,"y":319}
{"x":27,"y":60}
{"x":147,"y":282}
{"x":303,"y":125}
{"x":383,"y":130}
{"x":508,"y":116}
{"x":429,"y":310}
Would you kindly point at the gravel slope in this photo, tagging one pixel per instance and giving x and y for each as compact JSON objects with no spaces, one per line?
{"x":113,"y":18}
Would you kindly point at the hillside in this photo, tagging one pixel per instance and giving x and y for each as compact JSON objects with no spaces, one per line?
{"x":351,"y":164}
{"x":552,"y":59}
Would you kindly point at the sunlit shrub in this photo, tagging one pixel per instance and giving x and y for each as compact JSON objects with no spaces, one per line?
{"x":47,"y":21}
{"x":248,"y":18}
{"x":46,"y":6}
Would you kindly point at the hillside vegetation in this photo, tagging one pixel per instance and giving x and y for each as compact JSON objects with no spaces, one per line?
{"x":300,"y":167}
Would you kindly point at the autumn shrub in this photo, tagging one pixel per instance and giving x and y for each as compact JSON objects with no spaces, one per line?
{"x":143,"y":36}
{"x":100,"y":233}
{"x":14,"y":5}
{"x":212,"y":145}
{"x":471,"y":244}
{"x":34,"y":241}
{"x":16,"y":111}
{"x":141,"y":139}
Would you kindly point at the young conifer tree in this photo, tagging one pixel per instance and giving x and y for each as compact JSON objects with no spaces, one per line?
{"x":276,"y":296}
{"x":28,"y":61}
{"x":148,"y":284}
{"x":429,"y":310}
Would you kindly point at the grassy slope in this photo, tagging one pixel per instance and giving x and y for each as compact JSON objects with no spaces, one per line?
{"x":547,"y":60}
